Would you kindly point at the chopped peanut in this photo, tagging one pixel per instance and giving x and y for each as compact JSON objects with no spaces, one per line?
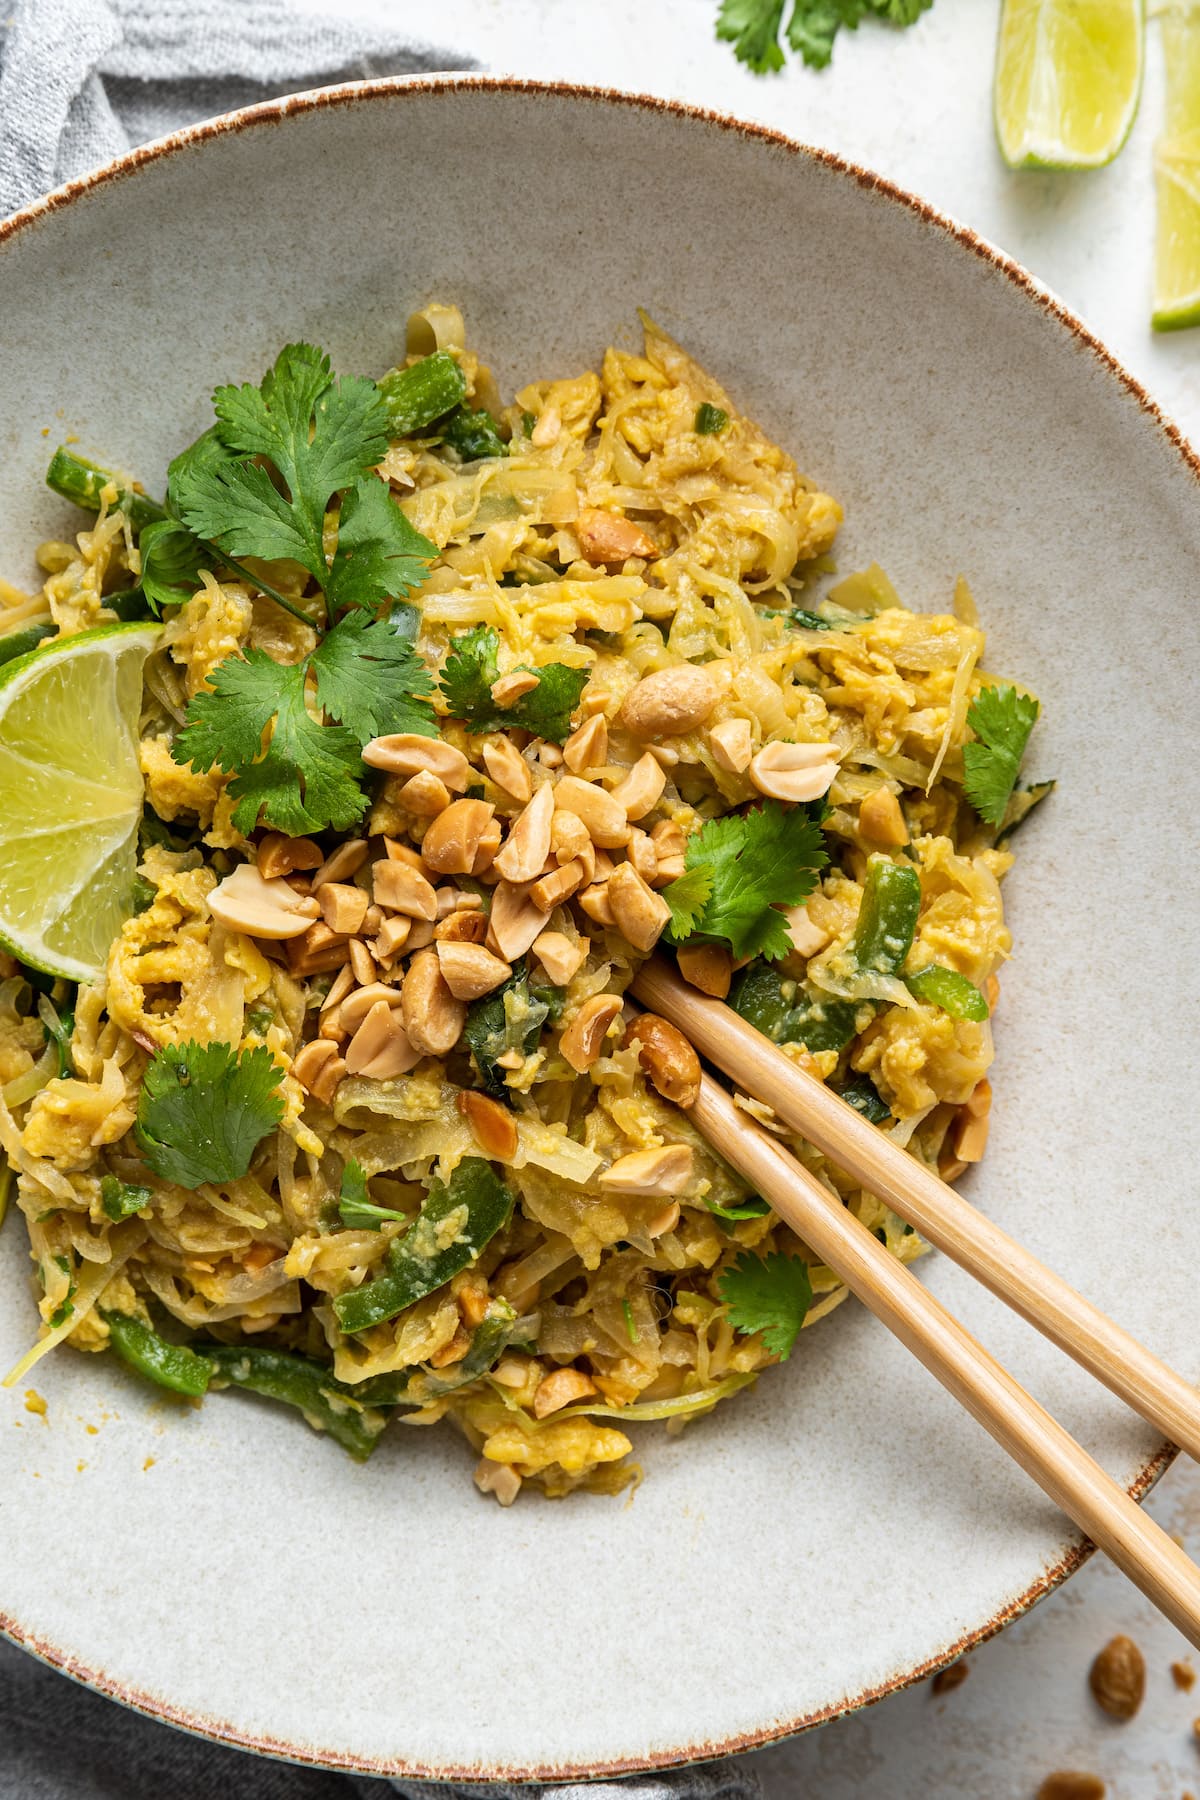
{"x":642,"y":788}
{"x":667,"y":1057}
{"x":587,"y":746}
{"x":665,"y":1171}
{"x":407,"y":753}
{"x":433,"y":1017}
{"x":469,"y":970}
{"x":492,"y":1125}
{"x":881,"y":820}
{"x":641,"y":915}
{"x":279,"y":855}
{"x":513,"y":687}
{"x":508,"y":768}
{"x":607,"y":537}
{"x":794,"y":772}
{"x":559,"y":1389}
{"x":343,"y":907}
{"x":559,"y":956}
{"x":672,"y":701}
{"x":583,"y":1039}
{"x":707,"y":967}
{"x":732,"y":745}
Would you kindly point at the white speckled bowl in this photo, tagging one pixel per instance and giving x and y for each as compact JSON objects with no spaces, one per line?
{"x":843,"y":1528}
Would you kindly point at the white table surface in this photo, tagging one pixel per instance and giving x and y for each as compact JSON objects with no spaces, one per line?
{"x":917,"y":106}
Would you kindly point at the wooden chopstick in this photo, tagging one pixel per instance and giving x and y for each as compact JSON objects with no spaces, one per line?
{"x":930,"y":1206}
{"x":1060,"y":1466}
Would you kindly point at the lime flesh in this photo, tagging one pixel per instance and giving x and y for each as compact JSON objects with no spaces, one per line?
{"x":1068,"y":77}
{"x":1177,"y":177}
{"x":70,"y":796}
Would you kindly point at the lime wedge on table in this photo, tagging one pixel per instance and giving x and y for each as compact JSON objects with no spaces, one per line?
{"x":1177,"y":176}
{"x":1068,"y":76}
{"x":70,"y":796}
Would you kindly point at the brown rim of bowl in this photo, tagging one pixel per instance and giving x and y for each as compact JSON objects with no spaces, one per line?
{"x":274,"y":112}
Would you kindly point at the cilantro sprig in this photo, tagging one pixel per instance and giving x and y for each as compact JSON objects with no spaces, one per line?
{"x":204,"y":1110}
{"x":261,"y":481}
{"x":752,"y":27}
{"x":1002,"y":720}
{"x":466,"y":682}
{"x":771,"y":1294}
{"x":307,"y":778}
{"x":738,"y":870}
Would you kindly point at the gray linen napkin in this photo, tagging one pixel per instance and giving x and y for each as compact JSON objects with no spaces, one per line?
{"x":80,"y":82}
{"x":83,"y":80}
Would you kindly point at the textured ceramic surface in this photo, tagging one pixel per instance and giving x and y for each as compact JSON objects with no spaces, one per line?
{"x":842,"y":1527}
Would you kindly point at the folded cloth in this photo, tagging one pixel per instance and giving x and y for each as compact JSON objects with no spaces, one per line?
{"x":81,"y":81}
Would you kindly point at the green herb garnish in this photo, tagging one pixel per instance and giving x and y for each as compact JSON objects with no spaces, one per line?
{"x":204,"y":1110}
{"x":752,"y":27}
{"x":308,"y":777}
{"x":738,"y":870}
{"x":1002,"y":720}
{"x":472,"y":667}
{"x":770,"y":1294}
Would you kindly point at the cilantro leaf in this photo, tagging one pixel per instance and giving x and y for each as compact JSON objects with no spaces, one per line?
{"x":752,"y":27}
{"x":757,"y":861}
{"x":1002,"y":720}
{"x":322,"y":437}
{"x":356,"y":1209}
{"x":687,"y":897}
{"x":767,"y":1295}
{"x":466,"y":682}
{"x":812,"y":28}
{"x":770,"y":1294}
{"x":373,"y":679}
{"x":378,"y":552}
{"x":305,"y":780}
{"x":171,"y":562}
{"x":204,"y":1110}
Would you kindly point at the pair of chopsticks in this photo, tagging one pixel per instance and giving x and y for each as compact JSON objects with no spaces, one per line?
{"x":1061,"y":1467}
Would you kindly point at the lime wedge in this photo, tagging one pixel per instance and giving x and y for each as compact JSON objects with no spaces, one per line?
{"x":70,"y":796}
{"x":1177,"y":176}
{"x":1068,"y":76}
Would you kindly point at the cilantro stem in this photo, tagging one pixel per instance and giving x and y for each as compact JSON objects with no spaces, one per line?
{"x":81,"y":482}
{"x":257,"y":582}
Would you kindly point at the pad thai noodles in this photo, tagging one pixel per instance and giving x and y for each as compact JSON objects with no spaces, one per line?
{"x":441,"y":715}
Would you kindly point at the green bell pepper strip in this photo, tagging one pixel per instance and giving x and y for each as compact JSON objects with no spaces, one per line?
{"x":887,"y":917}
{"x":418,"y":395}
{"x":935,"y":986}
{"x":421,"y":1261}
{"x":171,"y":1366}
{"x":862,"y":1094}
{"x":788,"y":1012}
{"x":472,"y":434}
{"x":327,"y":1404}
{"x":120,"y":1200}
{"x":80,"y":481}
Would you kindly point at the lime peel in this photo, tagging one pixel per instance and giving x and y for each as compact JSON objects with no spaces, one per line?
{"x":1068,"y":81}
{"x":70,"y":796}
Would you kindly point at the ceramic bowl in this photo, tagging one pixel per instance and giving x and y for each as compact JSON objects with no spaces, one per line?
{"x":843,"y":1528}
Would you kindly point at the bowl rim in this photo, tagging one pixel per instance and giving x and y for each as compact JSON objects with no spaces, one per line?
{"x":343,"y":95}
